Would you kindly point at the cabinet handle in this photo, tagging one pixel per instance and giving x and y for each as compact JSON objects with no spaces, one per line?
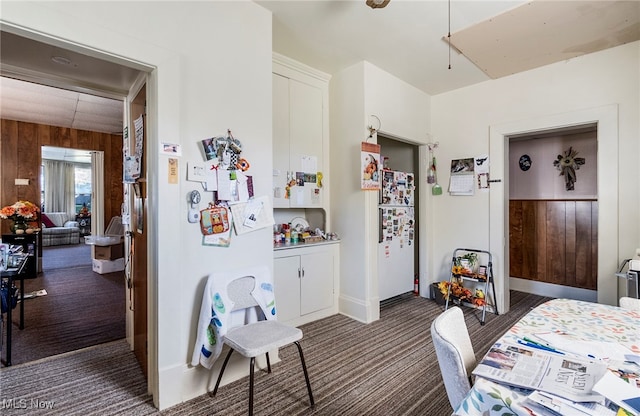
{"x":303,"y":272}
{"x":299,"y":272}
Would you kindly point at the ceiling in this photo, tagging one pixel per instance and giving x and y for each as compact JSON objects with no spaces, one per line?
{"x":81,"y":91}
{"x":407,"y":38}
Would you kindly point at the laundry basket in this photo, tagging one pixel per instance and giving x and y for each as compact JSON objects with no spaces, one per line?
{"x":112,"y":235}
{"x":115,"y":227}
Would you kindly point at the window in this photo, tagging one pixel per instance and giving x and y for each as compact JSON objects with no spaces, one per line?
{"x":83,"y":187}
{"x":82,"y":179}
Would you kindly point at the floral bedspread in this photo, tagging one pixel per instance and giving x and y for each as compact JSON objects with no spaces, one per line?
{"x":584,"y":320}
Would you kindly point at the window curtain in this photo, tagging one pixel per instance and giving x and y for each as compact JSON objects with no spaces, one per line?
{"x":59,"y":195}
{"x":97,"y":193}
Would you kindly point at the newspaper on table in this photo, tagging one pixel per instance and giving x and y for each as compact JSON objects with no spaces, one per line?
{"x":621,"y":385}
{"x":530,"y":368}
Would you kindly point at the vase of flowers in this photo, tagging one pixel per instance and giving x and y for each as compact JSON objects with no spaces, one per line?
{"x":23,"y":214}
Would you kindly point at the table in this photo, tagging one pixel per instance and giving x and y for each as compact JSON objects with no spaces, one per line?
{"x":586,"y":320}
{"x":29,"y":243}
{"x":12,"y":274}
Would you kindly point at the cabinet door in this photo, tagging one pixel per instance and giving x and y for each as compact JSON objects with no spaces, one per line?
{"x":316,"y":291}
{"x":287,"y":287}
{"x":281,"y":146}
{"x":306,"y":138}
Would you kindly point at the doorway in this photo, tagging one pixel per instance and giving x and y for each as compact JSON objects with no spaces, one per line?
{"x":101,"y":78}
{"x":66,"y":194}
{"x":398,"y":254}
{"x":606,"y":120}
{"x":553,"y":212}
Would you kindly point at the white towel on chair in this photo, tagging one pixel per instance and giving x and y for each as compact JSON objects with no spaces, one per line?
{"x":215,"y":311}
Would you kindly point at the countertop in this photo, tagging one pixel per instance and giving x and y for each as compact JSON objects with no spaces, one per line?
{"x":300,"y":245}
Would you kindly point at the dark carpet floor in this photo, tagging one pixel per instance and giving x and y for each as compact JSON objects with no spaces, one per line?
{"x":81,"y":308}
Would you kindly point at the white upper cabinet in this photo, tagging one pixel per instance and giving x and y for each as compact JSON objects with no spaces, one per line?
{"x":300,"y":139}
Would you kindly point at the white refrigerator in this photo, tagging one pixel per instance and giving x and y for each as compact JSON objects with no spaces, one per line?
{"x":396,"y":234}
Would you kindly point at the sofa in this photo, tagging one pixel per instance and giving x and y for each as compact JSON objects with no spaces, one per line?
{"x":59,"y":228}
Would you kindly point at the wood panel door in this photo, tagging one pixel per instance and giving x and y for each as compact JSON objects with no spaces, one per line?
{"x":139,"y":231}
{"x":554,"y":241}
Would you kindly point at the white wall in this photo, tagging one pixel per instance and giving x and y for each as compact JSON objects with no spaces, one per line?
{"x":205,"y":82}
{"x":543,"y":179}
{"x":462,"y":119}
{"x":356,"y":93}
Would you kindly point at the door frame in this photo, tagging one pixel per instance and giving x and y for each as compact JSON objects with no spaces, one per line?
{"x":606,"y":118}
{"x":149,"y":74}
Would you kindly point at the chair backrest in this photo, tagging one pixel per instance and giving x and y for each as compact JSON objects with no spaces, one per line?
{"x":455,"y":353}
{"x":630,"y":303}
{"x":239,"y":291}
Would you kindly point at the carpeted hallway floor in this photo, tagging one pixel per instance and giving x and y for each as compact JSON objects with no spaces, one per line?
{"x":66,"y":256}
{"x":81,"y":308}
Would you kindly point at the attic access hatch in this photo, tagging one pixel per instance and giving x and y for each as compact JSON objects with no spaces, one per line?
{"x":541,"y":32}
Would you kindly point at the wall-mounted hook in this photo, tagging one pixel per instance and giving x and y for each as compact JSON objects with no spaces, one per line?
{"x":371,"y":127}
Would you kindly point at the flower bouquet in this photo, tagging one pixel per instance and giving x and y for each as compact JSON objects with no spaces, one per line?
{"x":455,"y":291}
{"x":24,"y":215}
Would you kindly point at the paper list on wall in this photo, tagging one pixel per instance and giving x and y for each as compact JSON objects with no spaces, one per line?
{"x":211,"y":180}
{"x":309,"y":164}
{"x":224,"y":186}
{"x":298,"y":194}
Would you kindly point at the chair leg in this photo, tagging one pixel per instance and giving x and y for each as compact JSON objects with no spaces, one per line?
{"x":306,"y":374}
{"x":251,"y":364}
{"x":224,"y":365}
{"x":268,"y":363}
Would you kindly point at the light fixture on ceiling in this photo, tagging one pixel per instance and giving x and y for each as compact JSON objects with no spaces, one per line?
{"x":377,"y":4}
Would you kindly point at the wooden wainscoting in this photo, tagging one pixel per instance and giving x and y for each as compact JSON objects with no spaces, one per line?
{"x":554,"y":241}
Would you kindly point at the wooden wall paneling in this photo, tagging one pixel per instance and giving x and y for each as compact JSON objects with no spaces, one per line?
{"x":570,"y":244}
{"x":515,"y":239}
{"x":594,"y":243}
{"x":20,"y":157}
{"x":60,"y":137}
{"x":29,"y":162}
{"x":541,"y":241}
{"x":556,"y":214}
{"x":9,"y":166}
{"x":583,"y":245}
{"x":44,"y":135}
{"x":529,"y":244}
{"x":554,"y":241}
{"x":113,"y":153}
{"x":84,"y":140}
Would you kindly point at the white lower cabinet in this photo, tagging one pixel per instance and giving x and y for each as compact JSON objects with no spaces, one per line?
{"x":306,"y":283}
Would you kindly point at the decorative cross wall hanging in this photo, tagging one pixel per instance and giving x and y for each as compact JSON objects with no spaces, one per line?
{"x":567,"y":165}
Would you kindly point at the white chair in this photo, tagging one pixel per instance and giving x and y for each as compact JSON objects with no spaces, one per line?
{"x":455,"y":353}
{"x":630,"y":303}
{"x":254,"y":339}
